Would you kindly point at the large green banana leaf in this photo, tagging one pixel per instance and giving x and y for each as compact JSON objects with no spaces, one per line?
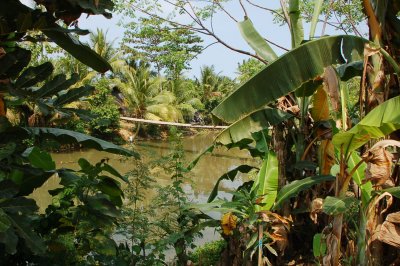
{"x":77,"y":49}
{"x":294,"y":188}
{"x":254,"y":39}
{"x":316,"y":13}
{"x":67,"y":136}
{"x":254,"y":122}
{"x":381,"y":121}
{"x":296,"y":23}
{"x":266,"y":182}
{"x":289,"y":73}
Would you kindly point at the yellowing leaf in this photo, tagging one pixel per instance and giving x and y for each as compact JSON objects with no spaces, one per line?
{"x":2,"y":107}
{"x":326,"y":155}
{"x":320,"y":110}
{"x":228,"y":223}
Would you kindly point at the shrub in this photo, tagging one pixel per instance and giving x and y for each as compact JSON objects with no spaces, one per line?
{"x":209,"y":254}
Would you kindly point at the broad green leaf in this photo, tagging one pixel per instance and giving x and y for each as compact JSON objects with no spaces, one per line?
{"x":381,"y":121}
{"x":335,"y":206}
{"x":85,"y":115}
{"x":266,"y":182}
{"x":39,"y":159}
{"x":78,"y":50}
{"x":73,"y":95}
{"x":5,"y":223}
{"x":8,"y":189}
{"x":296,"y":24}
{"x":12,"y":63}
{"x":255,"y":122}
{"x":57,"y":84}
{"x":68,"y":136}
{"x":10,"y":240}
{"x":359,"y":175}
{"x":101,"y":204}
{"x":85,"y":165}
{"x":292,"y":189}
{"x":316,"y":13}
{"x":319,"y":246}
{"x":31,"y":179}
{"x":288,"y":73}
{"x":23,"y":227}
{"x":256,"y":41}
{"x":96,"y":6}
{"x":33,"y":75}
{"x":350,"y":70}
{"x":103,"y":245}
{"x":19,"y":205}
{"x":110,"y":187}
{"x":68,"y":177}
{"x":7,"y":149}
{"x":108,"y":168}
{"x":229,"y":176}
{"x":394,"y":191}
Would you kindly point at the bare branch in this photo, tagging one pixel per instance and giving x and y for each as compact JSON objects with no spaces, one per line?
{"x":267,"y":9}
{"x":340,"y":23}
{"x":203,"y":30}
{"x":226,"y":12}
{"x":326,"y":18}
{"x":285,"y":12}
{"x":244,"y":9}
{"x":277,"y":45}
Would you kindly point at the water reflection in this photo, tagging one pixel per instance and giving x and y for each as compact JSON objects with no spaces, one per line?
{"x":201,"y":179}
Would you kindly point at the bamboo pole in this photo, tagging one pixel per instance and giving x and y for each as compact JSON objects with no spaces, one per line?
{"x":130,"y":119}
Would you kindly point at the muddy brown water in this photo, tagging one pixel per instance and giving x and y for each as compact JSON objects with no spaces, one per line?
{"x":201,"y":179}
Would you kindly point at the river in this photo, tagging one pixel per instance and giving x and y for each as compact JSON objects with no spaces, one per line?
{"x":201,"y":179}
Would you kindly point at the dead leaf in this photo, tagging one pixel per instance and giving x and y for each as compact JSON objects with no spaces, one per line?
{"x":316,"y":207}
{"x":390,"y":230}
{"x":332,"y":87}
{"x":379,"y":165}
{"x":228,"y":223}
{"x":279,"y":236}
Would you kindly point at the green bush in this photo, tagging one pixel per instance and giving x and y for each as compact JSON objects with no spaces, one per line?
{"x":106,"y":110}
{"x":209,"y":254}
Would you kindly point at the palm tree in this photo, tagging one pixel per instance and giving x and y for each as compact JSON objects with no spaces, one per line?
{"x":212,"y":84}
{"x":140,"y":89}
{"x":99,"y":43}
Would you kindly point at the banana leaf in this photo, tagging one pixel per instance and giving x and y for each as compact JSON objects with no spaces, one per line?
{"x":254,"y":122}
{"x":381,"y":121}
{"x":256,"y":41}
{"x":67,"y":136}
{"x":294,"y":188}
{"x":289,"y":73}
{"x":77,"y":49}
{"x":296,"y":23}
{"x":266,"y":182}
{"x":316,"y":13}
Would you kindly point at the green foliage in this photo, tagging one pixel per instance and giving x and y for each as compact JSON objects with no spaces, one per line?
{"x":209,"y":254}
{"x":103,"y":106}
{"x":78,"y":224}
{"x":159,"y":43}
{"x":248,"y":68}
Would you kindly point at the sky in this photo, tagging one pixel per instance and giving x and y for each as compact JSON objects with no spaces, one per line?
{"x":225,"y":61}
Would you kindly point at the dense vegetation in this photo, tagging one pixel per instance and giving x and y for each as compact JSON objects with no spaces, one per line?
{"x":321,"y":119}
